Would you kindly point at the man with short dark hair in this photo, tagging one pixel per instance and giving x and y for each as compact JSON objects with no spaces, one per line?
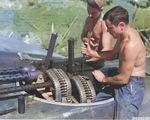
{"x":129,"y":83}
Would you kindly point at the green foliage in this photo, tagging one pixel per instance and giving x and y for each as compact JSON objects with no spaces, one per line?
{"x":140,"y":3}
{"x":38,"y":17}
{"x":142,"y":19}
{"x":83,"y":0}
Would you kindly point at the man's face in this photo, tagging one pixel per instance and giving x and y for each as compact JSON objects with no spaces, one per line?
{"x":93,"y":12}
{"x":112,"y":29}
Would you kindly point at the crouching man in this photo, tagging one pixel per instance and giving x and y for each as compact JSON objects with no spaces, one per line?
{"x":129,"y":84}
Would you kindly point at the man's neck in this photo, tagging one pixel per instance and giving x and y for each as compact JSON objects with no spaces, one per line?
{"x":99,"y":17}
{"x":125,"y":33}
{"x":96,"y":19}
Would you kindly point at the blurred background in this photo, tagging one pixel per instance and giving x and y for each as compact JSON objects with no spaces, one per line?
{"x":33,"y":21}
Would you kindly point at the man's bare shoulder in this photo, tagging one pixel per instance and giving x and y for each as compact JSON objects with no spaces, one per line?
{"x":134,"y":39}
{"x":99,"y":22}
{"x":133,"y":43}
{"x":129,"y":45}
{"x":98,"y":26}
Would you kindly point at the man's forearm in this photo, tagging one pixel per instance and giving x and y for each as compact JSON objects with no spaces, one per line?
{"x":105,"y":55}
{"x":114,"y":80}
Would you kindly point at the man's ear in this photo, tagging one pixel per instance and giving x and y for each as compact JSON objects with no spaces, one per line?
{"x":121,"y":25}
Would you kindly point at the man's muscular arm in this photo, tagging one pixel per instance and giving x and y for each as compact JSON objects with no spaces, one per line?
{"x":127,"y":60}
{"x":101,"y":37}
{"x":105,"y":55}
{"x":84,"y":34}
{"x":106,"y":37}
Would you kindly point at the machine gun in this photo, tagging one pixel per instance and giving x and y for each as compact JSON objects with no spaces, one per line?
{"x":66,"y":76}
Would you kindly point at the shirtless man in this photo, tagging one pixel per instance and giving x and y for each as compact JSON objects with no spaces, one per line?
{"x":129,"y":83}
{"x":94,"y":29}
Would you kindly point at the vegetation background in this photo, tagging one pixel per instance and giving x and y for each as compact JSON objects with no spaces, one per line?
{"x":67,"y":17}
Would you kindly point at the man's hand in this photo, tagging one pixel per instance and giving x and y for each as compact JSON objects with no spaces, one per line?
{"x":99,"y":75}
{"x":86,"y":49}
{"x":92,"y":59}
{"x":93,"y":43}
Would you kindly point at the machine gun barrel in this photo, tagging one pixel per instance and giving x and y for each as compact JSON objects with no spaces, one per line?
{"x":13,"y":77}
{"x":10,"y":71}
{"x":25,"y":87}
{"x":29,"y":76}
{"x":21,"y":69}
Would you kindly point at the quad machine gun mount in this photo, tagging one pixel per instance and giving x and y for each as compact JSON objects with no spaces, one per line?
{"x":68,"y":77}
